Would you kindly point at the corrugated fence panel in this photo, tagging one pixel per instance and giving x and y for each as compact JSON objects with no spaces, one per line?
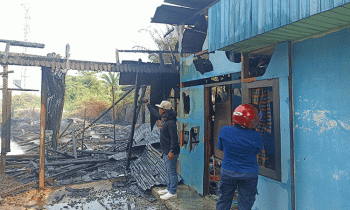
{"x":232,"y":21}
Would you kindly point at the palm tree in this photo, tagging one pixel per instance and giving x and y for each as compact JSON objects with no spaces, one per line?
{"x":110,"y":81}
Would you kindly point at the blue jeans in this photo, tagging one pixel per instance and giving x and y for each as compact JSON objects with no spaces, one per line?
{"x":247,"y":189}
{"x":170,"y":166}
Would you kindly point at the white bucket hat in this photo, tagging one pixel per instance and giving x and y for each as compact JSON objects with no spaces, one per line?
{"x":165,"y":105}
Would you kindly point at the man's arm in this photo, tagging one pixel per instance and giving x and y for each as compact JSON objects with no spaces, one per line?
{"x":220,"y":145}
{"x":154,"y":112}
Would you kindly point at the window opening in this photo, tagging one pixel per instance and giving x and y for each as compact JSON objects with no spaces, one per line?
{"x":233,"y":56}
{"x":202,"y":63}
{"x":265,"y":95}
{"x":254,"y":64}
{"x":186,"y":102}
{"x":194,"y":137}
{"x":185,"y":135}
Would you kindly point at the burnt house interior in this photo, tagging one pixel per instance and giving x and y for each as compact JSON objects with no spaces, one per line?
{"x":222,"y":93}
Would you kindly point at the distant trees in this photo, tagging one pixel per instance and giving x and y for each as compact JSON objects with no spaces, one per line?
{"x":24,"y":105}
{"x":166,"y":43}
{"x":92,"y":91}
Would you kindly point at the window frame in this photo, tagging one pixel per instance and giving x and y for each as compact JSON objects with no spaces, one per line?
{"x":246,"y":98}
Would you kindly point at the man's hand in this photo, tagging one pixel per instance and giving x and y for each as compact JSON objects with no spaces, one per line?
{"x":170,"y":155}
{"x":148,"y":101}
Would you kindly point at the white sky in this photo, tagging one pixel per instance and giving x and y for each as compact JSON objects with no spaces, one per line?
{"x":93,"y":29}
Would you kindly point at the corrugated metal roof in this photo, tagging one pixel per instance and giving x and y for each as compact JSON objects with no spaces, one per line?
{"x":59,"y":63}
{"x":174,"y":15}
{"x":249,"y":25}
{"x":191,"y":3}
{"x":180,"y":12}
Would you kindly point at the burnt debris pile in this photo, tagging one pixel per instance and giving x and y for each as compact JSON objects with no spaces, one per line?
{"x":85,"y":155}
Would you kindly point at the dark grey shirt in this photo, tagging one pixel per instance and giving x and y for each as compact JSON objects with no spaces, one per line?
{"x":168,"y":133}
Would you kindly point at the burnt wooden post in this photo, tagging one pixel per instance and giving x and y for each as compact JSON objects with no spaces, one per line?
{"x":6,"y":117}
{"x":136,"y":113}
{"x":131,"y":137}
{"x":113,"y":115}
{"x":82,"y":136}
{"x":143,"y":113}
{"x":74,"y":143}
{"x":42,"y":135}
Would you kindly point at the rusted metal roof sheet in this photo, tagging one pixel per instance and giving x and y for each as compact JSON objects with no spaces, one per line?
{"x":247,"y":25}
{"x":58,"y":63}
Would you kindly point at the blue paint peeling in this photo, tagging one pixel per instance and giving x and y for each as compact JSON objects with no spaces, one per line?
{"x":322,"y":118}
{"x":192,"y":163}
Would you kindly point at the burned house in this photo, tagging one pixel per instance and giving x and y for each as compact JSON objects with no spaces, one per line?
{"x":291,"y":59}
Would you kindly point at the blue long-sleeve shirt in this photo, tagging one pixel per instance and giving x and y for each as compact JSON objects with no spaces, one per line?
{"x":240,"y":148}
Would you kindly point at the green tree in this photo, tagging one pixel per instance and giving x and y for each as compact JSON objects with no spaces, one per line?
{"x":166,"y":43}
{"x":111,"y":80}
{"x":26,"y":101}
{"x":85,"y":86}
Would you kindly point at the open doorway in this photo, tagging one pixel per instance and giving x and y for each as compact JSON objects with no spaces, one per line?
{"x":220,"y":100}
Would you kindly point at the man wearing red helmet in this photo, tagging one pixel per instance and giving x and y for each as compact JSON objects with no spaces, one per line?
{"x":240,"y":143}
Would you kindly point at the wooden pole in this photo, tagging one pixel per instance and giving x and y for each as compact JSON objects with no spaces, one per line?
{"x":42,"y":135}
{"x":131,"y":137}
{"x":113,"y":115}
{"x":82,"y":136}
{"x":4,"y":119}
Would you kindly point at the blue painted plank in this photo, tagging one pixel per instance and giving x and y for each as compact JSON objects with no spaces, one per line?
{"x":326,"y":5}
{"x":211,"y":24}
{"x":232,"y":21}
{"x":242,"y":21}
{"x":248,"y":19}
{"x":314,"y":7}
{"x":268,"y":15}
{"x":338,"y":3}
{"x":222,"y":25}
{"x":304,"y":9}
{"x":218,"y":25}
{"x":294,"y":11}
{"x":276,"y":13}
{"x":285,"y":12}
{"x":226,"y":21}
{"x":237,"y":16}
{"x":255,"y":17}
{"x":261,"y":20}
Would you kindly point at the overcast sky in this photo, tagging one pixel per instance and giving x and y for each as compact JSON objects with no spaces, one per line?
{"x":93,"y":29}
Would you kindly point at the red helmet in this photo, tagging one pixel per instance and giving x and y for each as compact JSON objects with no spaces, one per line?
{"x":246,"y":115}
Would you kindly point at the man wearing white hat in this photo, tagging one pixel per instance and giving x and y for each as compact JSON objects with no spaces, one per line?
{"x":169,"y":144}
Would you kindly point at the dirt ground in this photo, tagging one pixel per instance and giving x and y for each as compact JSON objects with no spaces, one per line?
{"x":93,"y":195}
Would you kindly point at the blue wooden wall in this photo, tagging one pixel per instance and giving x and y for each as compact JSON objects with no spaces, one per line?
{"x":220,"y":63}
{"x":321,"y":75}
{"x":274,"y":194}
{"x":192,"y":163}
{"x":232,"y":21}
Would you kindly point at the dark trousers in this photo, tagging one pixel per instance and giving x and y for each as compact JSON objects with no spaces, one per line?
{"x":247,"y":189}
